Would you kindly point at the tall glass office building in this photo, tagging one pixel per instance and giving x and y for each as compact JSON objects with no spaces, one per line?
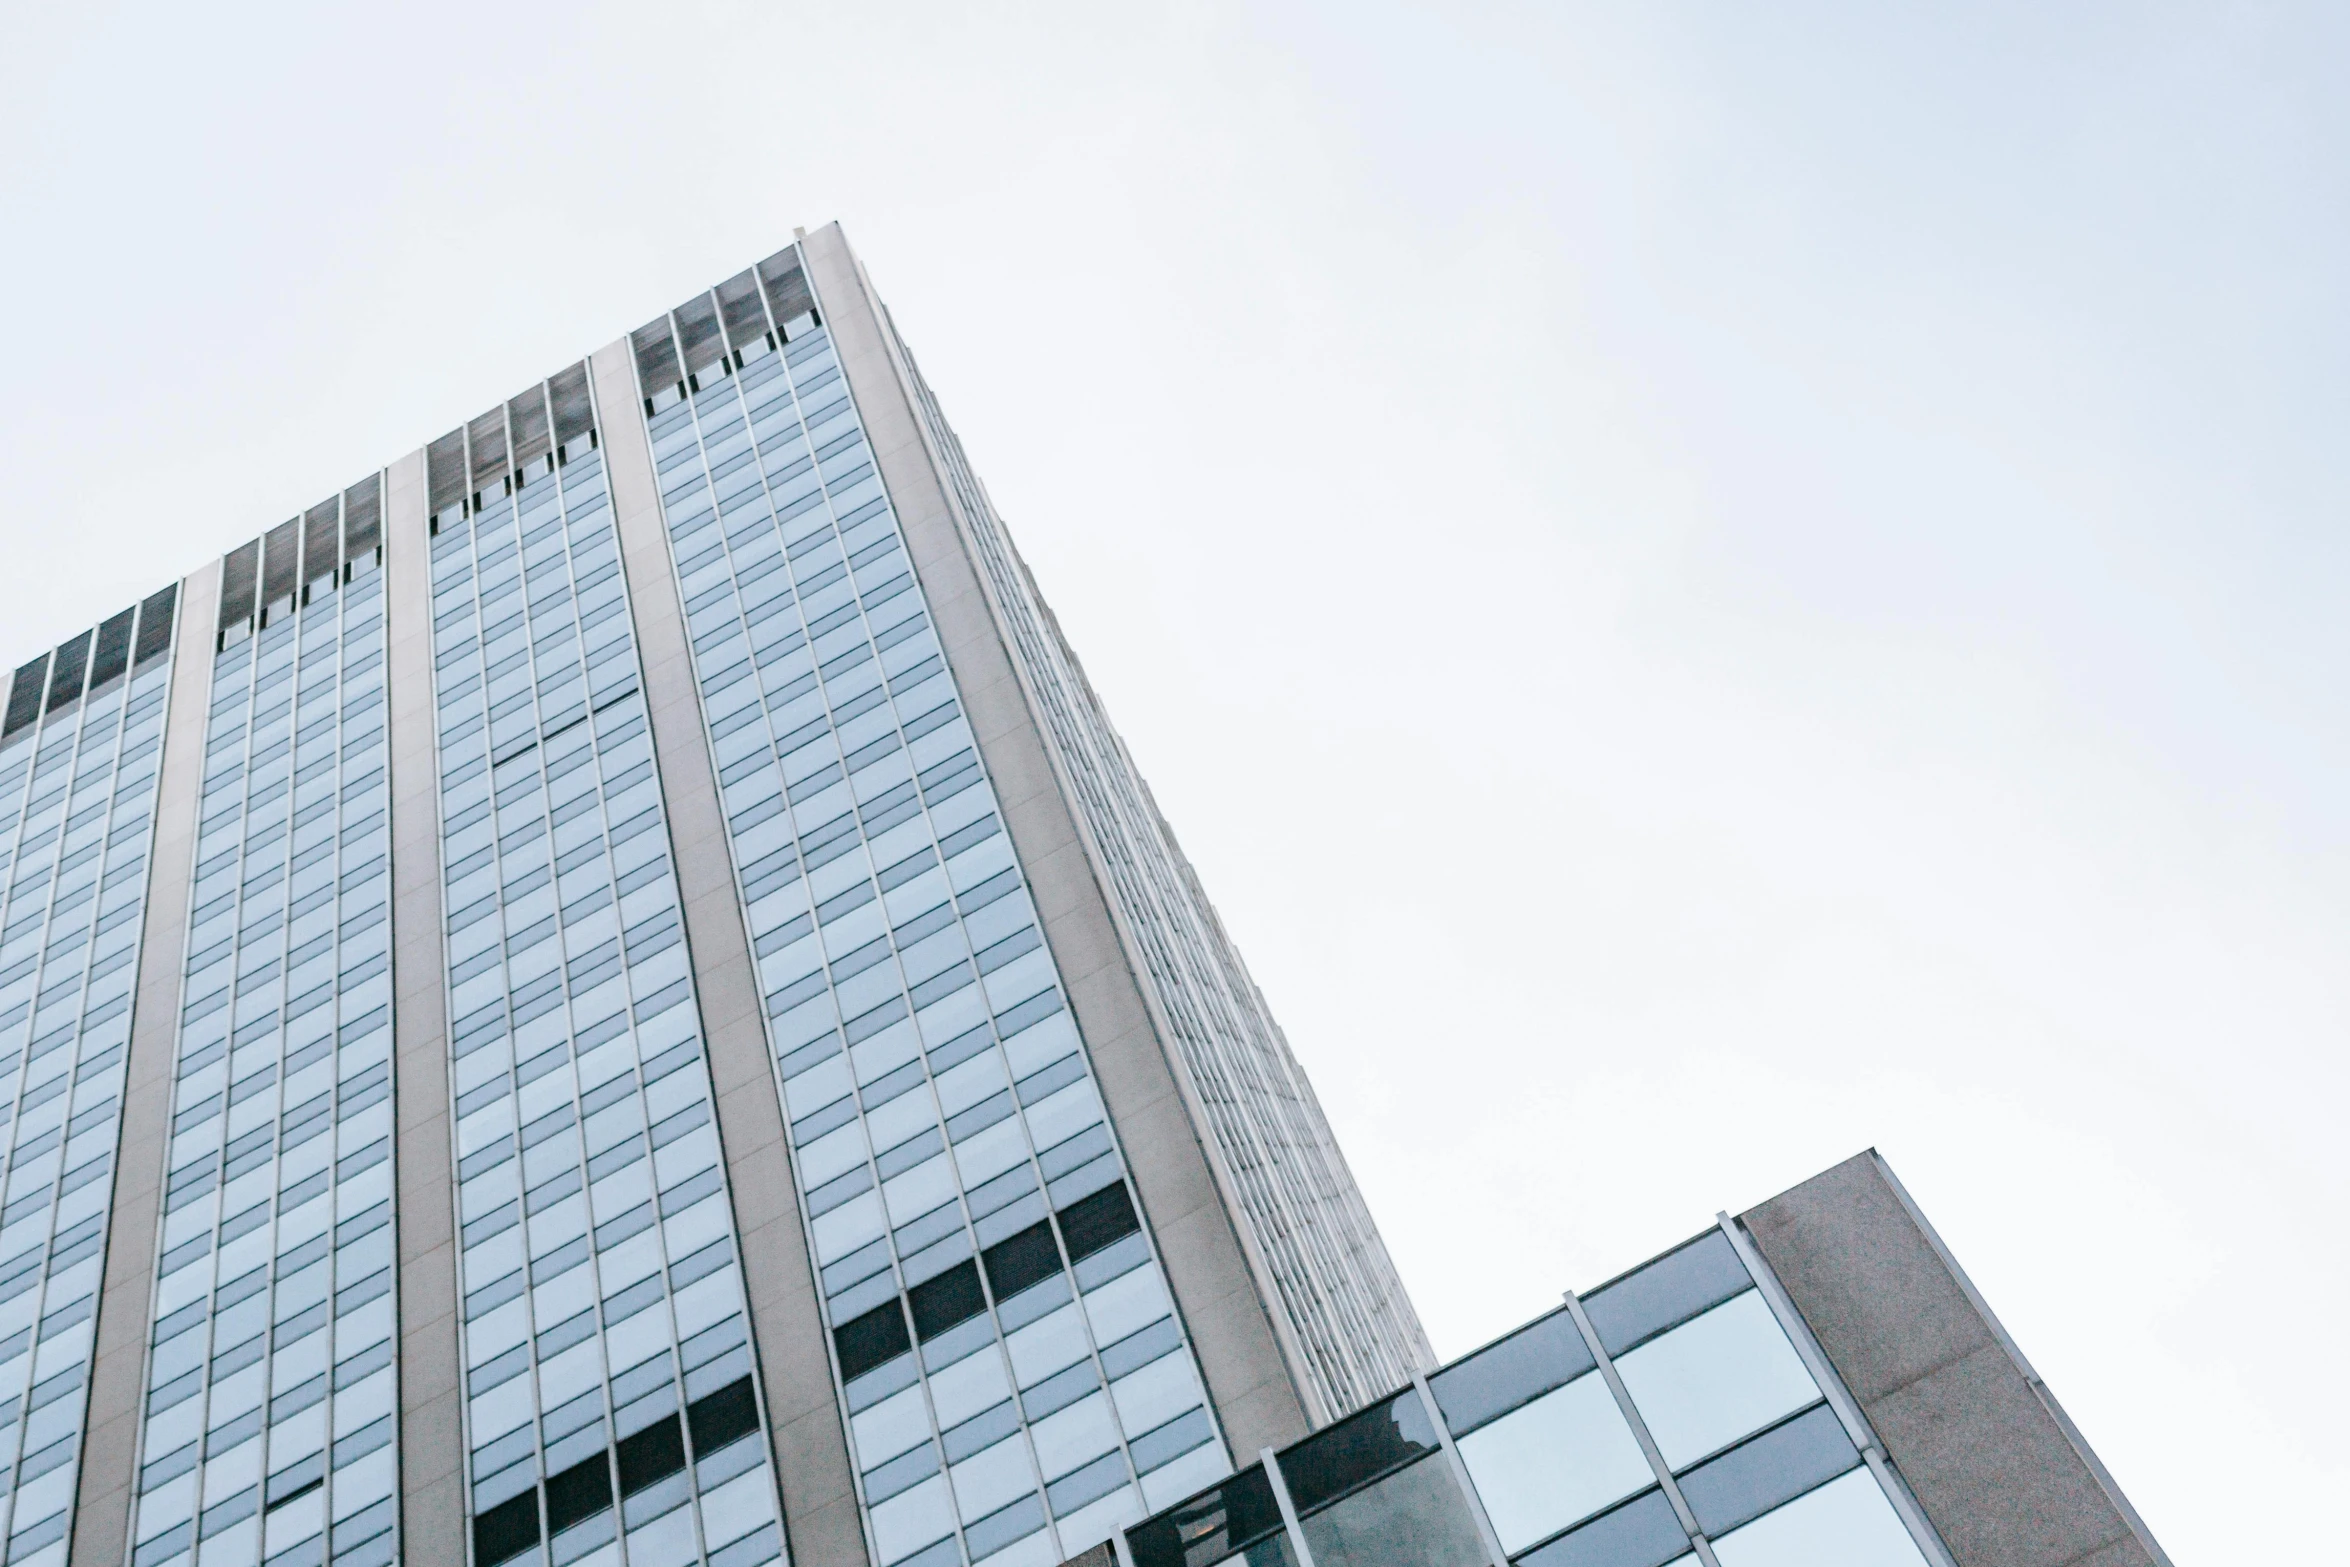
{"x":608,"y":994}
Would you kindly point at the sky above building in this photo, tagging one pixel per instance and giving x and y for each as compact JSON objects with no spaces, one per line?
{"x":1706,"y":588}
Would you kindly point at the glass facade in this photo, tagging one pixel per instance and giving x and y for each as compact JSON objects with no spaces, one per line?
{"x":334,"y":1318}
{"x":1014,"y":1377}
{"x":79,"y":765}
{"x":269,"y":1408}
{"x":1664,"y":1418}
{"x":1338,"y":1288}
{"x":611,"y":1411}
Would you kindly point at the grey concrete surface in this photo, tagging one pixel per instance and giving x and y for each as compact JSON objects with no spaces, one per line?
{"x":126,"y":1298}
{"x":432,"y":1424}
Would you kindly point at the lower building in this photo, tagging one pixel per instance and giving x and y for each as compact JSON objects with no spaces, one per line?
{"x":1813,"y":1383}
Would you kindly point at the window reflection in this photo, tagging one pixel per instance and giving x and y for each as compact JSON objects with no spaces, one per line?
{"x":1415,"y":1517}
{"x":1712,"y":1380}
{"x":1559,"y":1459}
{"x":1845,"y":1523}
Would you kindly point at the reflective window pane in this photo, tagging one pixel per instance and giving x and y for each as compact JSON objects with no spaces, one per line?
{"x":1415,"y":1517}
{"x":1237,"y":1518}
{"x":1561,"y":1458}
{"x":1846,"y":1523}
{"x":1712,"y":1380}
{"x":1544,"y":1354}
{"x":1755,"y":1477}
{"x":1672,"y":1289}
{"x":1328,"y":1464}
{"x":1644,"y":1532}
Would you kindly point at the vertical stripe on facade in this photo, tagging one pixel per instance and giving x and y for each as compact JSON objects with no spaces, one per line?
{"x":1344,"y":1316}
{"x":811,"y":1448}
{"x":1247,"y":1353}
{"x":1015,"y":1379}
{"x":432,"y":1441}
{"x":271,"y":1421}
{"x":102,"y":1524}
{"x":607,"y":1361}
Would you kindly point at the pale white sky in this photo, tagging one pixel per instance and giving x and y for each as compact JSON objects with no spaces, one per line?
{"x":1708,"y":585}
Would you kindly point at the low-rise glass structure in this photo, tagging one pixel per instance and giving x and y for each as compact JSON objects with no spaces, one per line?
{"x":1687,"y":1414}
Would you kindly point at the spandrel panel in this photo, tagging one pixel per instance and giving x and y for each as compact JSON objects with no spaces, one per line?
{"x":1716,"y":1377}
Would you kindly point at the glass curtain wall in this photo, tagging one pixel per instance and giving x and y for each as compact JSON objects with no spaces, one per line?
{"x":1015,"y":1378}
{"x":270,"y":1407}
{"x":610,"y":1407}
{"x":1553,"y":1429}
{"x":1337,"y":1284}
{"x":78,"y":770}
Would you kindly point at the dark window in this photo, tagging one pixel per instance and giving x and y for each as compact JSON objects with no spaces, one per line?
{"x":1090,"y":1223}
{"x":155,"y":623}
{"x":1666,"y":1292}
{"x":1211,"y":1526}
{"x":113,"y":653}
{"x":582,"y":1491}
{"x":722,"y":1417}
{"x":1358,"y":1450}
{"x":24,"y":694}
{"x":240,"y":576}
{"x":1018,"y":1261}
{"x":942,"y":1302}
{"x":65,"y":676}
{"x":655,"y":1453}
{"x":506,"y":1530}
{"x":870,"y":1340}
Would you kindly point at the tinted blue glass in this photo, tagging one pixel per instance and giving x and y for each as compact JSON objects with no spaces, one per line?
{"x":948,"y":1137}
{"x":77,"y":800}
{"x":270,"y":1416}
{"x":610,"y":1400}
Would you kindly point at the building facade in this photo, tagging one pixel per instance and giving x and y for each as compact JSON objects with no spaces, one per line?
{"x":609,"y":994}
{"x":1813,"y":1383}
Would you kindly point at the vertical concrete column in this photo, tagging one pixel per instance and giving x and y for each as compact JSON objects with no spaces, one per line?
{"x":1222,"y":1285}
{"x":432,"y":1428}
{"x":118,"y":1371}
{"x":795,"y":1368}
